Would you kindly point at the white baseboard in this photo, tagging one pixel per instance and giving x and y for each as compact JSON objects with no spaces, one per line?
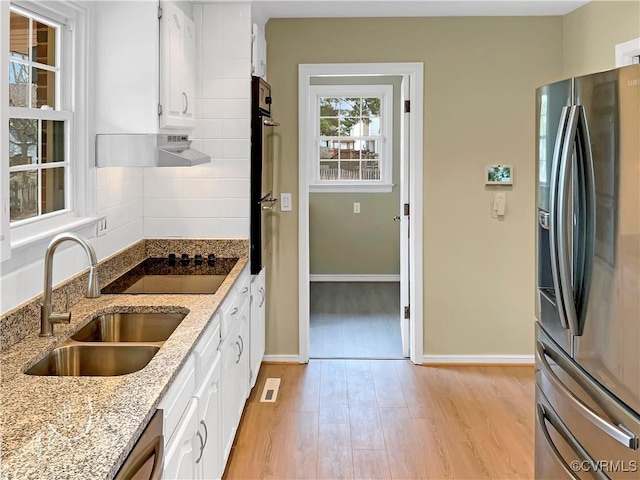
{"x":354,"y":278}
{"x":281,"y":359}
{"x":479,"y":359}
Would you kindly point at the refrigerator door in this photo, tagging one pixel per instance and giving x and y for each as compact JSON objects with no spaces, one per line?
{"x":583,"y":420}
{"x":608,"y":348}
{"x":552,"y":103}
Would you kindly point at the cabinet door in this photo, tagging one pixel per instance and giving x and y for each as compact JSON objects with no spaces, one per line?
{"x":172,"y":95}
{"x":229,"y":358}
{"x":257,"y":331}
{"x":209,"y":409}
{"x":184,"y":449}
{"x":189,"y":72}
{"x":243,"y":365}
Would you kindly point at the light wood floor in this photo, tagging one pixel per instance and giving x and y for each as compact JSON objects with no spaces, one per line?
{"x":378,"y":419}
{"x":354,"y":320}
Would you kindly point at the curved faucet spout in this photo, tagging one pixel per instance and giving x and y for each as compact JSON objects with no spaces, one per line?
{"x":47,"y":316}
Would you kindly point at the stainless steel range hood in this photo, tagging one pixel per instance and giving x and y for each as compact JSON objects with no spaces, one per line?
{"x":147,"y":150}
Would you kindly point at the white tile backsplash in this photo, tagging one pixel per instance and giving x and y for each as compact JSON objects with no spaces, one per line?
{"x":212,"y":200}
{"x":236,"y":128}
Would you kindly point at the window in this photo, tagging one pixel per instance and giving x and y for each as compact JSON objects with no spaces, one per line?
{"x":39,"y":124}
{"x":45,"y":148}
{"x":351,"y":131}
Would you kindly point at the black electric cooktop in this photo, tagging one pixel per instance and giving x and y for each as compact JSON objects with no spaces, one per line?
{"x":171,"y":275}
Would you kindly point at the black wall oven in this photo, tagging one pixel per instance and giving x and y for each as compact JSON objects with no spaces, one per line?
{"x":262,"y":168}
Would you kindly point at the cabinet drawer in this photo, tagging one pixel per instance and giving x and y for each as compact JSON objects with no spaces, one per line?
{"x":207,"y":347}
{"x":175,"y":401}
{"x":233,"y":305}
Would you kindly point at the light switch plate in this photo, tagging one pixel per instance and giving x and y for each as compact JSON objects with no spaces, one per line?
{"x":285,"y":202}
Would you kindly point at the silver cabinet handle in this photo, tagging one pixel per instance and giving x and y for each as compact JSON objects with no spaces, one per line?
{"x":245,"y":290}
{"x":186,"y":101}
{"x":270,"y":123}
{"x":239,"y":353}
{"x":241,"y":344}
{"x":620,"y":433}
{"x":235,"y":310}
{"x":201,"y":447}
{"x":206,"y":432}
{"x":545,"y":414}
{"x":263,"y":297}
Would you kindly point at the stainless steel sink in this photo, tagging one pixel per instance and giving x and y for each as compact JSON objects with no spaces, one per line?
{"x":94,"y":360}
{"x":130,"y":327}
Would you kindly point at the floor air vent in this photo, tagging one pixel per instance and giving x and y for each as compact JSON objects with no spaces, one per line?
{"x":270,"y":391}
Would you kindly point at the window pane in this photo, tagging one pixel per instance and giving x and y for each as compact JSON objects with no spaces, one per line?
{"x":23,"y":141}
{"x":328,"y":107}
{"x":23,"y":199}
{"x":44,"y":88}
{"x":329,"y":126}
{"x":347,"y":149}
{"x":327,"y":150}
{"x":19,"y":36}
{"x":371,"y":170}
{"x":350,"y":107}
{"x":372,"y":126}
{"x":328,"y":170}
{"x":43,"y":44}
{"x":370,"y":149}
{"x":349,"y":170}
{"x":52,"y":141}
{"x":371,"y":107}
{"x":18,"y":85}
{"x":52,"y":190}
{"x":347,"y":125}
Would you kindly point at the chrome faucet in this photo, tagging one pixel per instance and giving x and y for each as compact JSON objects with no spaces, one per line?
{"x":47,"y":316}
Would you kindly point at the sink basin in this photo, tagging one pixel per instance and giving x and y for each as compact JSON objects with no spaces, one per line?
{"x":94,"y":360}
{"x":129,"y":327}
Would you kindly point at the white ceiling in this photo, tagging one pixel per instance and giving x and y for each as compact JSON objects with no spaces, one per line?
{"x":265,"y":9}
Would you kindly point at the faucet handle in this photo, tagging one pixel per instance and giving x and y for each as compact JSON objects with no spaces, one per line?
{"x":60,"y":317}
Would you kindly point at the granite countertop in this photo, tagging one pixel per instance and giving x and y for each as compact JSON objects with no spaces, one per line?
{"x":84,"y":427}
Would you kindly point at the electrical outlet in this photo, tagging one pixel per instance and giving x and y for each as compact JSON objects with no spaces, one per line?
{"x":101,"y":228}
{"x":356,"y":207}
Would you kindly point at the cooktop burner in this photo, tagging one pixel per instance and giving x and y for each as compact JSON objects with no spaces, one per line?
{"x":162,"y":275}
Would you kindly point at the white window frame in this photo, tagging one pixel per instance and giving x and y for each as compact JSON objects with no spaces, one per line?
{"x":385,"y":92}
{"x":72,"y":104}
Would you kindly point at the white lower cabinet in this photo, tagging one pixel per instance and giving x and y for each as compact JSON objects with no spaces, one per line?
{"x":234,"y":376}
{"x":182,"y":452}
{"x":209,"y":410}
{"x":203,"y":406}
{"x":257,"y":320}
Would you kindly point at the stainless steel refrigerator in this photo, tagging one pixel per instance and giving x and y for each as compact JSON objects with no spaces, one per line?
{"x":588,"y":277}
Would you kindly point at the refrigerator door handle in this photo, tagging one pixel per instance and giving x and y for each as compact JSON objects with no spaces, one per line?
{"x":619,"y":432}
{"x":553,"y":216}
{"x":546,"y":414}
{"x":585,"y":220}
{"x":562,"y":221}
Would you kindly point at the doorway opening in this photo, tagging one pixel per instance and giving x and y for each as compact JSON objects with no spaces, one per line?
{"x":368,"y":302}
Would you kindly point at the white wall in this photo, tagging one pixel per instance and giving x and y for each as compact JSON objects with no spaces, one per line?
{"x":211,"y":200}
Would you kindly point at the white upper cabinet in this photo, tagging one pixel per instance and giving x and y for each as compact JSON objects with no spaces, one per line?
{"x":177,"y":67}
{"x":144,"y":65}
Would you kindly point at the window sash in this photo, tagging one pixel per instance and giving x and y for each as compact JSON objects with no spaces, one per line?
{"x":385,"y":156}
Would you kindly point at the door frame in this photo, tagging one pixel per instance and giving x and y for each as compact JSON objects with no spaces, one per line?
{"x":414,"y":71}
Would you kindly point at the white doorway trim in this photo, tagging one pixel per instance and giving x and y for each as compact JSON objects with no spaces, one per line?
{"x":415,"y":72}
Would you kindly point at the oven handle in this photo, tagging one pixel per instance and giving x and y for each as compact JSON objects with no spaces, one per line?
{"x":138,"y":459}
{"x":619,"y":432}
{"x":543,"y":414}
